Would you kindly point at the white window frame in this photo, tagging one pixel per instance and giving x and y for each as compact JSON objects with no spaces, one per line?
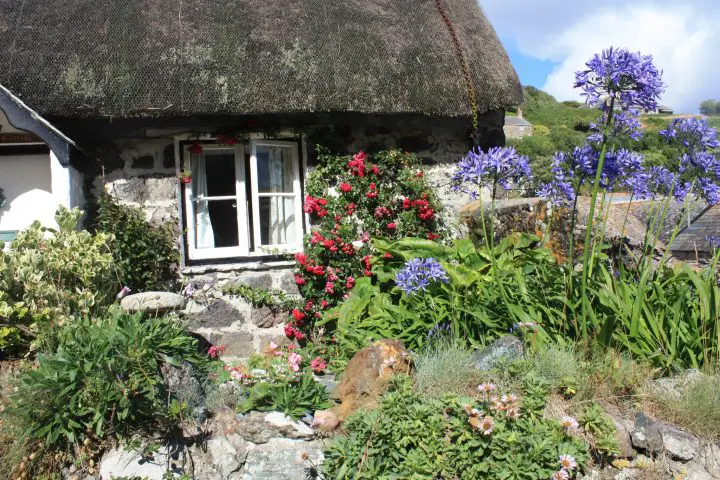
{"x":240,"y":197}
{"x":296,"y":194}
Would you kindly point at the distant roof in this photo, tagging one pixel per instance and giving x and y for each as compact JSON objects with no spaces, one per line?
{"x":129,"y":58}
{"x":694,"y":237}
{"x":515,"y":120}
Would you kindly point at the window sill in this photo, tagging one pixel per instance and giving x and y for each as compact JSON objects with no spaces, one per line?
{"x":254,"y":265}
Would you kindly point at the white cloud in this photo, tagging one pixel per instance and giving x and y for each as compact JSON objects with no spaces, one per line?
{"x":681,"y":36}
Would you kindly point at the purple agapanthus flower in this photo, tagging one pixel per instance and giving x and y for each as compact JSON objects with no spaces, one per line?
{"x":478,"y":169}
{"x":630,"y":80}
{"x":624,"y":124}
{"x":713,"y":242}
{"x":698,"y":167}
{"x":418,"y":273}
{"x":570,"y":171}
{"x":692,"y":133}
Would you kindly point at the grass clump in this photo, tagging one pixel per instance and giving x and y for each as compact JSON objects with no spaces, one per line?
{"x":445,"y":366}
{"x":696,"y":409}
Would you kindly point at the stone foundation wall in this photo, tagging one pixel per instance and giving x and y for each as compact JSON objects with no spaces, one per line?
{"x":140,"y":171}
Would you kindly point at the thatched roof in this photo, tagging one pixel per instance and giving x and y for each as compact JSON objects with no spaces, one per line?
{"x":125,"y":58}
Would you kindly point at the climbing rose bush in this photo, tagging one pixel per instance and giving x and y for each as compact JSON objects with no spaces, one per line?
{"x":351,"y":200}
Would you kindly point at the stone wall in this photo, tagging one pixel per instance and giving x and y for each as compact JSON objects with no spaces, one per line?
{"x":140,"y":171}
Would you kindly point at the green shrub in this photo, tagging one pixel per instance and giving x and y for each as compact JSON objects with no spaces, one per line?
{"x":146,"y":256}
{"x":478,"y":303}
{"x":409,"y":436}
{"x":50,"y":276}
{"x":103,"y":380}
{"x":349,"y":200}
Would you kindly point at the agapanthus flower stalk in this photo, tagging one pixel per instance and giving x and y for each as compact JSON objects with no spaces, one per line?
{"x":418,"y":274}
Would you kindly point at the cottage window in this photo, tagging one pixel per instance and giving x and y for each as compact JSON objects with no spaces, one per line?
{"x":243,"y":200}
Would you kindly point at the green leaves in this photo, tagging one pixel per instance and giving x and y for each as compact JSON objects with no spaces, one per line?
{"x":294,"y":398}
{"x":145,"y":255}
{"x":409,"y":436}
{"x":104,"y":377}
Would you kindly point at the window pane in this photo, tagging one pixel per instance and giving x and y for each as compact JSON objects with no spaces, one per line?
{"x":277,"y":220}
{"x":216,"y":224}
{"x":220,"y":168}
{"x":275,"y":169}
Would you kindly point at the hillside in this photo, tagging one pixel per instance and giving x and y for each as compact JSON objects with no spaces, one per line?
{"x":561,"y":126}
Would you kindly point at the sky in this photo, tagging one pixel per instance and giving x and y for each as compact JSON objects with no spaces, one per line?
{"x":549,"y":40}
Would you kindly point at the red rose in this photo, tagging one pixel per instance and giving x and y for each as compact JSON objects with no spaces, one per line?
{"x":350,"y":283}
{"x":391,"y":226}
{"x":433,"y":236}
{"x":301,"y":258}
{"x":328,"y":243}
{"x":375,"y":170}
{"x":406,"y":203}
{"x":298,"y":334}
{"x":419,"y":174}
{"x":195,"y":148}
{"x":298,"y":315}
{"x":360,"y":156}
{"x":367,"y":273}
{"x":323,"y":304}
{"x":299,"y":280}
{"x":289,"y":331}
{"x":345,"y":187}
{"x":388,"y":255}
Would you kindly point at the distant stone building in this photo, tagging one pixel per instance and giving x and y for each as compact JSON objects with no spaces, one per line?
{"x":516,"y":126}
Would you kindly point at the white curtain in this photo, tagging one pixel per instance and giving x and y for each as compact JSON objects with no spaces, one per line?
{"x":204,"y":236}
{"x":282,"y":212}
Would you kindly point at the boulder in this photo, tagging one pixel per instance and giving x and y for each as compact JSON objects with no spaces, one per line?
{"x":656,"y":437}
{"x":646,"y":435}
{"x":325,"y":420}
{"x":126,"y":463}
{"x":282,"y":459}
{"x":259,"y":427}
{"x":153,"y":302}
{"x":622,"y":436}
{"x":367,"y":375}
{"x":678,"y":444}
{"x":504,"y":349}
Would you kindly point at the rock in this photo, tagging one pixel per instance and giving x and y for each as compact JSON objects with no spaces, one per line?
{"x":218,"y":314}
{"x":228,"y":454}
{"x":153,"y":302}
{"x":656,"y":437}
{"x":678,"y":444}
{"x":120,"y":462}
{"x":259,"y":427}
{"x":328,"y":380}
{"x":325,"y":420}
{"x":622,"y":436}
{"x":267,"y":318}
{"x":281,"y":459}
{"x":711,"y":456}
{"x":367,"y":375}
{"x":504,"y":349}
{"x":674,"y":386}
{"x":236,"y":343}
{"x":646,"y":435}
